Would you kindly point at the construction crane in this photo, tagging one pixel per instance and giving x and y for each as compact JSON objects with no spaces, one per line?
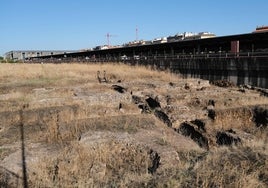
{"x":108,"y":36}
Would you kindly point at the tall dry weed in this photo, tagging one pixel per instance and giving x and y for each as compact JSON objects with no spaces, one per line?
{"x":233,"y":167}
{"x":91,"y":166}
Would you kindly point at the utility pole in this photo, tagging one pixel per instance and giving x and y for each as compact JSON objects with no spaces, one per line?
{"x":108,"y":36}
{"x":137,"y":38}
{"x":108,"y":39}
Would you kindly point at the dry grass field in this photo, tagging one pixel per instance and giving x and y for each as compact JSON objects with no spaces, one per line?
{"x":114,"y":125}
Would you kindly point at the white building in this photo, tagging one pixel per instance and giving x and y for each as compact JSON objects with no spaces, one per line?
{"x":201,"y":35}
{"x":190,"y":36}
{"x":159,"y":40}
{"x":23,"y":55}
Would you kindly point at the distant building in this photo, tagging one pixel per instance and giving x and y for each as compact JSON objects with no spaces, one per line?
{"x":175,"y":38}
{"x":135,"y":43}
{"x":261,"y":29}
{"x":159,"y":40}
{"x":190,"y":36}
{"x":24,"y":55}
{"x":201,"y":35}
{"x":103,"y":47}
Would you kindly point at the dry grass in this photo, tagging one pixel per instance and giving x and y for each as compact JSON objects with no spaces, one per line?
{"x":233,"y":167}
{"x":18,"y":81}
{"x":62,"y":74}
{"x":98,"y":165}
{"x":85,"y":140}
{"x":236,"y":166}
{"x":60,"y":133}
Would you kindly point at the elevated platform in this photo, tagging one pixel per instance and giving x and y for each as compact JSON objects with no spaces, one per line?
{"x":242,"y":59}
{"x":251,"y":42}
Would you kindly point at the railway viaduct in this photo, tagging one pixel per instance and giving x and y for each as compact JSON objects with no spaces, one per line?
{"x":242,"y":59}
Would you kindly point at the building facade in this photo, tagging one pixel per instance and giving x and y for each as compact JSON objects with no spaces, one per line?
{"x":24,"y":55}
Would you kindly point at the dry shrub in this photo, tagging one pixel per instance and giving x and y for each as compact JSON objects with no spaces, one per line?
{"x":244,"y":165}
{"x":233,"y":167}
{"x":261,"y":138}
{"x":180,"y":174}
{"x":112,"y":163}
{"x":223,"y":83}
{"x":240,"y":118}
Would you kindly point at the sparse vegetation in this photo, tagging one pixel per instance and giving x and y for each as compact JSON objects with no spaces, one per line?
{"x":1,"y":59}
{"x":79,"y":130}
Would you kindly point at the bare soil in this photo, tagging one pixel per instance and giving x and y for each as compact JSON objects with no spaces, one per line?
{"x":71,"y":126}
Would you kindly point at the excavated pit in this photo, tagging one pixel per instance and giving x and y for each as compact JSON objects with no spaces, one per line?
{"x":188,"y":130}
{"x":144,"y":123}
{"x":227,"y":138}
{"x":162,"y":116}
{"x":153,"y":103}
{"x":260,"y":116}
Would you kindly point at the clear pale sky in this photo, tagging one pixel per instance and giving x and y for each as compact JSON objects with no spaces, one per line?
{"x":79,"y":24}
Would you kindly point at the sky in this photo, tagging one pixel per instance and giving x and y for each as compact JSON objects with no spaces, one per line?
{"x":81,"y":24}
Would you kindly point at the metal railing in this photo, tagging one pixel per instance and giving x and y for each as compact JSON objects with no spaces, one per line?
{"x":137,"y":58}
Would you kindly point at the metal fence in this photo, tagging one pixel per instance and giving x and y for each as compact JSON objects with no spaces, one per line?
{"x":137,"y":58}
